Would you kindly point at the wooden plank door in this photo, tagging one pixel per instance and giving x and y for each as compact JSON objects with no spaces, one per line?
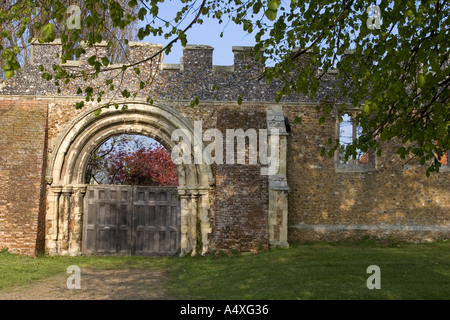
{"x":156,"y":221}
{"x":107,"y":229}
{"x":124,"y":220}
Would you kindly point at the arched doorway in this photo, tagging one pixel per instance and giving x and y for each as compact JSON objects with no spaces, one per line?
{"x":131,"y":206}
{"x":66,"y":175}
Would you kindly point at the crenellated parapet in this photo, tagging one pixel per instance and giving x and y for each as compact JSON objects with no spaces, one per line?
{"x":194,"y":77}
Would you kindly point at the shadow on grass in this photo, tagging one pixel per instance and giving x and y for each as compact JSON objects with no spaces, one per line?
{"x":321,"y":271}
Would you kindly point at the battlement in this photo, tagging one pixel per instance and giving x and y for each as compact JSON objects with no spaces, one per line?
{"x":195,"y":77}
{"x":195,"y":57}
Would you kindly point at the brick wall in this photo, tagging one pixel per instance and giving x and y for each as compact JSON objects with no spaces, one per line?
{"x":22,"y":145}
{"x":396,"y":200}
{"x":241,"y":208}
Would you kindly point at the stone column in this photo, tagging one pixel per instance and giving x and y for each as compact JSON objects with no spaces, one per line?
{"x":193,"y":223}
{"x":64,"y":221}
{"x":51,"y":220}
{"x":76,"y":221}
{"x":278,"y":187}
{"x":203,"y":214}
{"x":194,"y":211}
{"x":184,"y":226}
{"x":278,"y":236}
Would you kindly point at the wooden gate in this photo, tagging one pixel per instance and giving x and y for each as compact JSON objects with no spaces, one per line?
{"x":131,"y":220}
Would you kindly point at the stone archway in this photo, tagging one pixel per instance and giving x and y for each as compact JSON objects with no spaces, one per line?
{"x":65,"y":174}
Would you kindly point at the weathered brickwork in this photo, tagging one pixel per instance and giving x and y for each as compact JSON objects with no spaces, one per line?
{"x":396,"y":200}
{"x":44,"y":141}
{"x":237,"y":185}
{"x":22,"y":191}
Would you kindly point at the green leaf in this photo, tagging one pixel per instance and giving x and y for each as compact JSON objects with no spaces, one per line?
{"x":420,"y":80}
{"x":7,"y":66}
{"x":322,"y":152}
{"x":273,"y":4}
{"x":183,"y":39}
{"x":141,"y":14}
{"x":92,"y":59}
{"x":409,"y":14}
{"x":47,"y":76}
{"x":8,"y":55}
{"x":9,"y":74}
{"x":48,"y":35}
{"x":271,"y":14}
{"x":105,"y":61}
{"x":125,"y":93}
{"x":79,"y":105}
{"x":278,"y":96}
{"x":366,"y":108}
{"x":89,"y":90}
{"x":16,"y":65}
{"x":195,"y":102}
{"x":256,"y":7}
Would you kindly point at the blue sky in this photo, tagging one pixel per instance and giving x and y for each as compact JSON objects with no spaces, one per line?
{"x":206,"y":34}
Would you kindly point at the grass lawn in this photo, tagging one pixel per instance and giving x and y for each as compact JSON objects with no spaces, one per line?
{"x":304,"y":271}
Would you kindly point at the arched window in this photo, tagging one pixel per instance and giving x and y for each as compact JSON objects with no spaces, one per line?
{"x":349,"y":132}
{"x":443,"y":159}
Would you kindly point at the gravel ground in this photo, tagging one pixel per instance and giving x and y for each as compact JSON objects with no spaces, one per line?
{"x":129,"y":284}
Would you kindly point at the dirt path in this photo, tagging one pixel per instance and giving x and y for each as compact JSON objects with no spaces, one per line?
{"x":128,"y":284}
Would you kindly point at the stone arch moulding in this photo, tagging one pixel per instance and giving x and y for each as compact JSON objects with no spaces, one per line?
{"x":65,"y":174}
